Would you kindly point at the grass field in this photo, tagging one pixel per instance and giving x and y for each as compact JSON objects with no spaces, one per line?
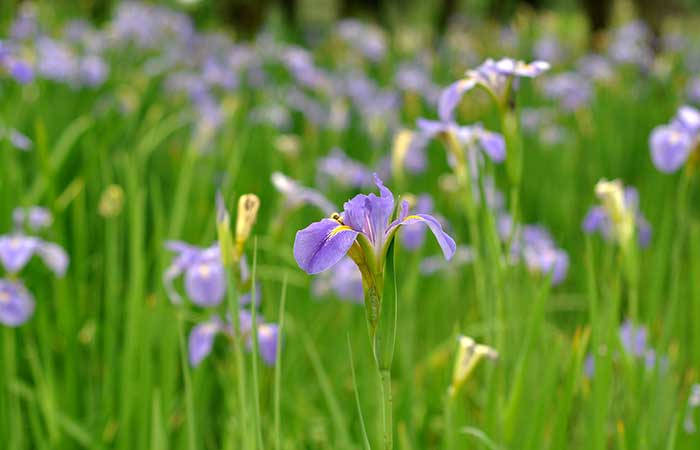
{"x":587,"y":325}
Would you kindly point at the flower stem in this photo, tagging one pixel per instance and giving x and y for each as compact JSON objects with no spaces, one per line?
{"x":387,"y":408}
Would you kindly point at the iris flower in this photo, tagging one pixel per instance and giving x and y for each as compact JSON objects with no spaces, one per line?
{"x":364,"y":231}
{"x":202,"y":336}
{"x":494,"y":76}
{"x":672,"y":144}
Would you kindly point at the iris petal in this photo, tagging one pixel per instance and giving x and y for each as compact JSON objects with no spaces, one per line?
{"x":322,"y":244}
{"x":447,"y":244}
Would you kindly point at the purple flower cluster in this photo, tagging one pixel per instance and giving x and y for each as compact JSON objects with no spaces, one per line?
{"x":16,"y":250}
{"x":205,"y":286}
{"x":672,"y":144}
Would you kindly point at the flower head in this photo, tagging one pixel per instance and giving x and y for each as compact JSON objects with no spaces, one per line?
{"x":494,"y":76}
{"x":365,"y":228}
{"x":672,"y":144}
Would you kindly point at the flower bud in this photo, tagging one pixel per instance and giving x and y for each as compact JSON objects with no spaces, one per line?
{"x":248,"y":206}
{"x":612,"y":196}
{"x":111,"y":201}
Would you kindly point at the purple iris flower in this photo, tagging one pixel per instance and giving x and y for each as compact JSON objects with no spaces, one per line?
{"x":16,"y":303}
{"x":491,"y":143}
{"x":297,"y":195}
{"x":337,"y":166}
{"x":672,"y":144}
{"x":344,"y":279}
{"x":202,"y":337}
{"x":491,"y":75}
{"x":365,"y":217}
{"x":205,"y":281}
{"x":17,"y":249}
{"x":598,"y":221}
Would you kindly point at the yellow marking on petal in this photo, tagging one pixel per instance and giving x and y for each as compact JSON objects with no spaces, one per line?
{"x":204,"y":270}
{"x":412,"y":216}
{"x":338,"y":229}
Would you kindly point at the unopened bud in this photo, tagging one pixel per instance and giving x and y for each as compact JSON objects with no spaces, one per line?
{"x":248,"y":206}
{"x":111,"y":201}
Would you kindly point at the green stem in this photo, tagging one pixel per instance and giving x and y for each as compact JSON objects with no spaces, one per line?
{"x":189,"y":398}
{"x":255,"y":345}
{"x":387,"y":408}
{"x":234,"y":308}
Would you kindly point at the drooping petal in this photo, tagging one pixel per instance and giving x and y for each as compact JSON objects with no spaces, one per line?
{"x":322,"y":244}
{"x":447,"y":244}
{"x":451,"y":96}
{"x":205,"y":283}
{"x":493,"y":144}
{"x":54,"y":257}
{"x":16,"y":303}
{"x":201,"y":341}
{"x":16,"y":250}
{"x":268,"y":341}
{"x":596,"y":220}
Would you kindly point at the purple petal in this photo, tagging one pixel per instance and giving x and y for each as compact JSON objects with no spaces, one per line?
{"x":54,"y":257}
{"x":322,"y":244}
{"x":16,"y":250}
{"x":493,"y":145}
{"x":201,"y":341}
{"x":447,"y":244}
{"x":16,"y":303}
{"x":670,"y":147}
{"x":268,"y":340}
{"x":596,"y":220}
{"x":205,"y":283}
{"x":451,"y":96}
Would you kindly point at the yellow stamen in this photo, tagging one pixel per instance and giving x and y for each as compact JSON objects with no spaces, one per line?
{"x":338,"y":229}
